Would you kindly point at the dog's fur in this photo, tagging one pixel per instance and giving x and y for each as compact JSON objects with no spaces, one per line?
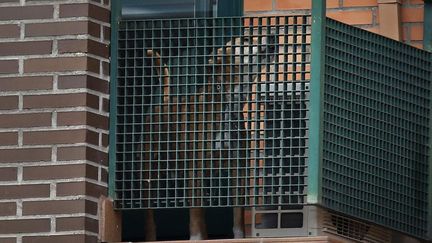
{"x":229,"y":82}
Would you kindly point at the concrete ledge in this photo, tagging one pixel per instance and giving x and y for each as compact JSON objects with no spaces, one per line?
{"x":316,"y":239}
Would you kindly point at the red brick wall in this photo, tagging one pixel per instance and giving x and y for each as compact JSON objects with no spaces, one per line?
{"x":361,"y":13}
{"x":53,"y":118}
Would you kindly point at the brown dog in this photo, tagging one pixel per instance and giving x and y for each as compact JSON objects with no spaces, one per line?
{"x":226,"y":85}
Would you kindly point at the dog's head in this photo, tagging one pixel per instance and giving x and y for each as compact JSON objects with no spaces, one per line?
{"x":240,"y":56}
{"x":229,"y":68}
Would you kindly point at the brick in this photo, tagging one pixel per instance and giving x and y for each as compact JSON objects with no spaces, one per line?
{"x":60,"y":238}
{"x":71,"y":46}
{"x":82,"y":153}
{"x":375,"y":30}
{"x":8,"y":240}
{"x":59,"y":64}
{"x":72,"y":153}
{"x":105,"y":140}
{"x":24,"y":154}
{"x":419,"y":2}
{"x":8,"y":174}
{"x":97,"y":121}
{"x":71,"y":118}
{"x":257,"y":5}
{"x":24,"y":191}
{"x":7,"y":209}
{"x":412,"y":14}
{"x":25,"y":48}
{"x":362,"y":3}
{"x":59,"y":207}
{"x":8,"y":102}
{"x":98,"y":49}
{"x":332,"y":4}
{"x":355,"y":17}
{"x":9,"y":31}
{"x":104,"y":175}
{"x":24,"y":226}
{"x":107,"y":33}
{"x":416,"y":33}
{"x":26,"y":83}
{"x":93,"y":65}
{"x":77,"y":223}
{"x":80,"y":188}
{"x":25,"y":120}
{"x":85,"y":10}
{"x":60,"y":172}
{"x":94,"y":29}
{"x":26,"y":12}
{"x":62,"y":28}
{"x":83,"y":81}
{"x":84,"y":46}
{"x":8,"y":138}
{"x":106,"y":68}
{"x":8,"y":66}
{"x":105,"y":105}
{"x":60,"y":137}
{"x":293,"y":4}
{"x":82,"y":118}
{"x":61,"y":101}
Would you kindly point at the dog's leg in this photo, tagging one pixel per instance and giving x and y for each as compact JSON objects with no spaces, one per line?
{"x":150,"y":230}
{"x":150,"y":225}
{"x":197,"y":224}
{"x":238,"y":224}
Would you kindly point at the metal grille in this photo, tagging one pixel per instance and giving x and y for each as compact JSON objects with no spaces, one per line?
{"x":212,"y":112}
{"x":376,"y":126}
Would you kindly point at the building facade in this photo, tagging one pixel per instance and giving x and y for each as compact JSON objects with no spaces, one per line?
{"x":54,"y":105}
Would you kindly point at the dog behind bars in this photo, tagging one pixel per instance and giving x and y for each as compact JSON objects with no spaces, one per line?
{"x":214,"y":117}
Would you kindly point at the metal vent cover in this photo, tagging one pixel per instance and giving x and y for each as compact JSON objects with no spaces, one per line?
{"x":212,"y":112}
{"x":376,"y":129}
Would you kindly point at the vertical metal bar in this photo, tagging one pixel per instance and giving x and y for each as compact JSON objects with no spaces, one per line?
{"x":115,"y":15}
{"x":202,"y":8}
{"x":316,"y":101}
{"x":427,"y":25}
{"x":427,"y":45}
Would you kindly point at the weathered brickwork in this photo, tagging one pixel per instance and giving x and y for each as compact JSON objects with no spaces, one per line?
{"x":54,"y":93}
{"x":361,"y":13}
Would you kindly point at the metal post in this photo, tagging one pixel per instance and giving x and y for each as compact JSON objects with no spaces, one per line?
{"x":316,"y":101}
{"x":427,"y":25}
{"x":427,"y":45}
{"x":115,"y":17}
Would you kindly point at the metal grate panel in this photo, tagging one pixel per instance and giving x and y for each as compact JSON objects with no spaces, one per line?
{"x":212,"y":112}
{"x":376,"y":126}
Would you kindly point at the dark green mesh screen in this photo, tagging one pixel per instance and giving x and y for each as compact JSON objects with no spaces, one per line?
{"x":376,"y":118}
{"x":212,"y":112}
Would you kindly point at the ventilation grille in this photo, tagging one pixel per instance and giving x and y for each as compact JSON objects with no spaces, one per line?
{"x":376,"y":126}
{"x":354,"y":230}
{"x":212,"y":112}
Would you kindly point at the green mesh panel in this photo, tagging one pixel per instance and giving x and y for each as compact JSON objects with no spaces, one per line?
{"x":225,"y":129}
{"x":376,"y":117}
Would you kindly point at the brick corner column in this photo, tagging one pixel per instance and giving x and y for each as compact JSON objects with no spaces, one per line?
{"x":54,"y":91}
